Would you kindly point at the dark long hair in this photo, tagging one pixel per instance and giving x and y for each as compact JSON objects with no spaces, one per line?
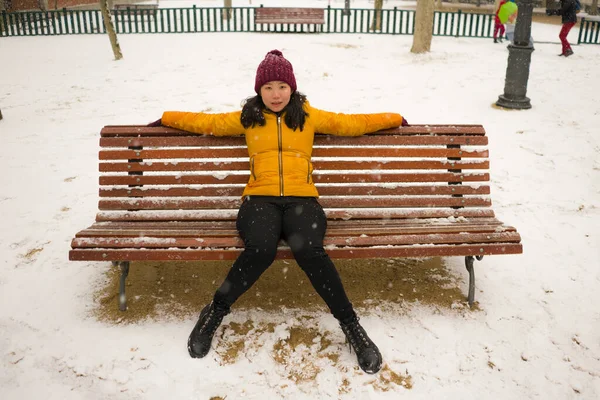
{"x":254,"y":108}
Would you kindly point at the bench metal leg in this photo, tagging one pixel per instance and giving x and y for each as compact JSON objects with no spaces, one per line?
{"x":124,"y":272}
{"x":469,"y":261}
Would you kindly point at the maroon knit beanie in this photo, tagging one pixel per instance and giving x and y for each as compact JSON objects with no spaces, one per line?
{"x":274,"y":68}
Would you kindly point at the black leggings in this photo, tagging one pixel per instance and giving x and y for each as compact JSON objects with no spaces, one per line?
{"x":261,"y":222}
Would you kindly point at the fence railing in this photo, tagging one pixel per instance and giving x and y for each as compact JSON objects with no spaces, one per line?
{"x":194,"y":19}
{"x":190,"y":20}
{"x":589,"y":32}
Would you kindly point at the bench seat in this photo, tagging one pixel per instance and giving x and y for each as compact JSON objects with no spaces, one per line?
{"x":289,"y":16}
{"x":418,"y":191}
{"x":359,"y":238}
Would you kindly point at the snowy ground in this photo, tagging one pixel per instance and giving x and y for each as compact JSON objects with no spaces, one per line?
{"x":537,"y":334}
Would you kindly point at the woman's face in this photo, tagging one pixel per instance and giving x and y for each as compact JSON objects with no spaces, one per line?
{"x":276,"y":95}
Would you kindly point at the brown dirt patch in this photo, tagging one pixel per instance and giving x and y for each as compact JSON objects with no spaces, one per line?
{"x":157,"y":290}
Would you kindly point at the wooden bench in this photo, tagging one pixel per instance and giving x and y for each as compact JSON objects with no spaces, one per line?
{"x":418,"y":191}
{"x":133,"y":11}
{"x":290,"y":16}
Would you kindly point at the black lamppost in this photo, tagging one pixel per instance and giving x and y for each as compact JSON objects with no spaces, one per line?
{"x":519,"y":60}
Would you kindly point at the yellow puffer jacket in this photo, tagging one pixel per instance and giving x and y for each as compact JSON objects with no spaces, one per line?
{"x":280,"y":158}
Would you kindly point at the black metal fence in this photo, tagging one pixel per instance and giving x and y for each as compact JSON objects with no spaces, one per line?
{"x":589,"y":32}
{"x":241,"y":19}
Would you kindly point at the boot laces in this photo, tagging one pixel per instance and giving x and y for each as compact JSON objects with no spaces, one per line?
{"x":212,"y":321}
{"x":357,"y":336}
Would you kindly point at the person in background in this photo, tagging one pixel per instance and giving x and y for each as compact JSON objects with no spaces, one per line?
{"x":280,"y":199}
{"x":507,"y":14}
{"x":498,"y":25}
{"x":568,"y":11}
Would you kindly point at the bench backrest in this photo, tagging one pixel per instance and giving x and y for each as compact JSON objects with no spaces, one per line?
{"x":134,"y":7}
{"x":425,"y":171}
{"x":276,"y":15}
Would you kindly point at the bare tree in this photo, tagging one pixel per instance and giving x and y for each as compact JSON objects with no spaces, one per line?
{"x":3,"y":7}
{"x":423,"y":27}
{"x":110,"y":29}
{"x":594,"y":8}
{"x":227,"y":13}
{"x":376,"y":24}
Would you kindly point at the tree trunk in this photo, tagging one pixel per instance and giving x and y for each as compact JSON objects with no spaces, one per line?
{"x":227,"y":13}
{"x":376,"y":24}
{"x":594,"y":8}
{"x":2,"y":27}
{"x":423,"y":27}
{"x":110,"y":29}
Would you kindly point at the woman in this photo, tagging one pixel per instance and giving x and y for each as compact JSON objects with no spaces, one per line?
{"x":280,"y":199}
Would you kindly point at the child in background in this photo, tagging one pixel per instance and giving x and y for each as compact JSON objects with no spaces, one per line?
{"x":499,"y":26}
{"x":507,"y":14}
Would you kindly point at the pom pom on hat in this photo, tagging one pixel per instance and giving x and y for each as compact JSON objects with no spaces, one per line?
{"x":274,"y":68}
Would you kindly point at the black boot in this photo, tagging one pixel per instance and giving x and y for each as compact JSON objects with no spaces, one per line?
{"x":367,"y":353}
{"x":495,"y":40}
{"x":202,"y":334}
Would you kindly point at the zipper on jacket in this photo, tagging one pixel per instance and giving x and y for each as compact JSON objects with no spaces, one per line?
{"x":280,"y":155}
{"x":307,"y":171}
{"x":252,"y":168}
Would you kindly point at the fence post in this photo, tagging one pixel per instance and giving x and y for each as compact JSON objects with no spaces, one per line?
{"x":195,"y":21}
{"x":580,"y":30}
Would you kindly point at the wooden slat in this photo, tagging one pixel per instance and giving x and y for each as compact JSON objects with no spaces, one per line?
{"x":162,"y":232}
{"x":335,"y":227}
{"x":318,"y":164}
{"x":374,"y":140}
{"x":218,"y":152}
{"x":172,"y":141}
{"x":142,"y":130}
{"x":320,"y":141}
{"x":214,"y":152}
{"x":330,"y":202}
{"x":394,"y":225}
{"x":225,"y":215}
{"x":323,"y":191}
{"x":173,"y":180}
{"x":137,"y":130}
{"x":235,"y":241}
{"x":344,"y":252}
{"x":341,"y":177}
{"x":401,"y":177}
